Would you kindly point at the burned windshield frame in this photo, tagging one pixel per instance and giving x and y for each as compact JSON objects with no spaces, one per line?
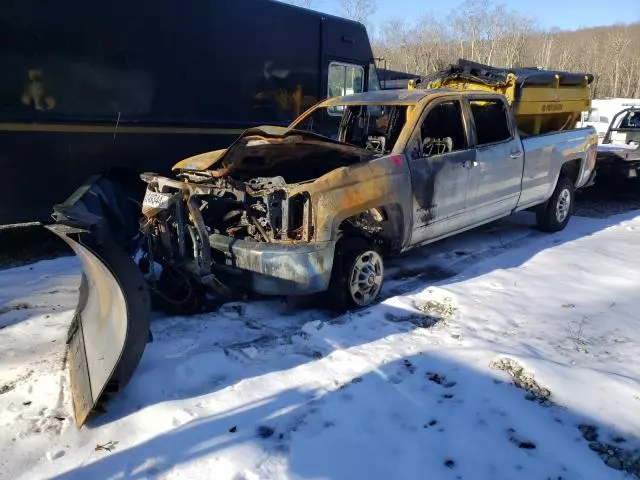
{"x":373,"y":127}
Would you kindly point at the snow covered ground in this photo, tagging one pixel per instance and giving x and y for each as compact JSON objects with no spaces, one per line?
{"x":499,"y":354}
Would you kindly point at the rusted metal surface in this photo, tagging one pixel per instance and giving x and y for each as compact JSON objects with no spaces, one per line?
{"x":199,"y":162}
{"x":279,"y":268}
{"x":348,"y":191}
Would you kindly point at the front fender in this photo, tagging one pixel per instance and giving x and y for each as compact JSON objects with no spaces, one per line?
{"x":347,"y":191}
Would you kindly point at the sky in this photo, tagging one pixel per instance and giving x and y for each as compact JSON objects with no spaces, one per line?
{"x":566,"y":15}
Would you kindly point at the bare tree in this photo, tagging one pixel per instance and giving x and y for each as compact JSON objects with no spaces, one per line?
{"x":483,"y":31}
{"x":543,"y":52}
{"x":616,"y":46}
{"x":358,"y":10}
{"x":426,"y":38}
{"x":395,"y":36}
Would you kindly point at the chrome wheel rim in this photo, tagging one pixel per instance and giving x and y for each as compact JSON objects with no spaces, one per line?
{"x":563,"y":205}
{"x":365,"y":280}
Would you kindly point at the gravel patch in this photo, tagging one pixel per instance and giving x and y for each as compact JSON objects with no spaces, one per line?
{"x":523,"y":379}
{"x":612,"y":455}
{"x":606,"y":199}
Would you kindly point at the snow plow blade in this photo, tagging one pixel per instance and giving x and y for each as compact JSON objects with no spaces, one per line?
{"x":110,"y":327}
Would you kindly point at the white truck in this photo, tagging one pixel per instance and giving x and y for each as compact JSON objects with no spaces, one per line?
{"x":602,"y":111}
{"x":618,"y":155}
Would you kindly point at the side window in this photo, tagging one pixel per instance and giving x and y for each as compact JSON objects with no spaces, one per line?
{"x":318,"y":121}
{"x":344,"y":79}
{"x":631,"y":120}
{"x":490,"y":118}
{"x":442,"y":130}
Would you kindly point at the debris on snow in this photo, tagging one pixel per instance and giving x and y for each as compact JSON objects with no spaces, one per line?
{"x":431,"y":423}
{"x":523,"y":379}
{"x":265,"y":432}
{"x":576,"y":335}
{"x":418,"y":319}
{"x":7,"y":387}
{"x":612,"y":455}
{"x":589,"y":432}
{"x":525,"y":444}
{"x":449,"y":463}
{"x":440,"y":380}
{"x":107,"y":447}
{"x":409,"y":366}
{"x":437,"y":309}
{"x":15,"y":306}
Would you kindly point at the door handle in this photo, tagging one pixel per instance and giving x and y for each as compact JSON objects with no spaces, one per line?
{"x":470,"y":164}
{"x":516,"y":154}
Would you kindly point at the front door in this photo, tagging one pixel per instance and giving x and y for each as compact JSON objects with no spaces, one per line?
{"x":440,"y":160}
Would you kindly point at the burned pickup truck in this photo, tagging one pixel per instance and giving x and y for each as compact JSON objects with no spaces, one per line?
{"x":315,"y":207}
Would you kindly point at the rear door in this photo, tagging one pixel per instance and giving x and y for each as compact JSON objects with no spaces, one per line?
{"x":440,"y":157}
{"x":495,"y":178}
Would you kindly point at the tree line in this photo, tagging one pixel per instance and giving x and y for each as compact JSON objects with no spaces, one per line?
{"x":487,"y":32}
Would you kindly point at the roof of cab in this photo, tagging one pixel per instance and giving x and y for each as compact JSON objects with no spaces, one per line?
{"x":385,"y":97}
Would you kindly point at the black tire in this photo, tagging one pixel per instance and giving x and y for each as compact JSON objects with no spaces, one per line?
{"x":348,"y":251}
{"x":557,"y":212}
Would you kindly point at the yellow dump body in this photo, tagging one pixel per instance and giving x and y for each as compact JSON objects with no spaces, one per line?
{"x":543,"y":101}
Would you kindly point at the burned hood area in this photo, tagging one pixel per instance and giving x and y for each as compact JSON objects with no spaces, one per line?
{"x":295,"y":155}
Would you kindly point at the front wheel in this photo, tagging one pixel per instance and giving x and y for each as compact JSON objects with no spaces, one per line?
{"x":357,"y":276}
{"x":557,"y":212}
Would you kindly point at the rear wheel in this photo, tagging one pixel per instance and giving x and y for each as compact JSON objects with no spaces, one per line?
{"x":357,"y":275}
{"x":557,"y":212}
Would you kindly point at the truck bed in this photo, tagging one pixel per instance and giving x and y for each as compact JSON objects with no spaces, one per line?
{"x":544,"y":156}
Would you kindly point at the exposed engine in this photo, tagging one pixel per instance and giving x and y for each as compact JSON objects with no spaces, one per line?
{"x":182,"y":217}
{"x":259,"y":209}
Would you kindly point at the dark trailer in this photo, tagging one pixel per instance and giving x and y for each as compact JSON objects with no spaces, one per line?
{"x":92,"y":86}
